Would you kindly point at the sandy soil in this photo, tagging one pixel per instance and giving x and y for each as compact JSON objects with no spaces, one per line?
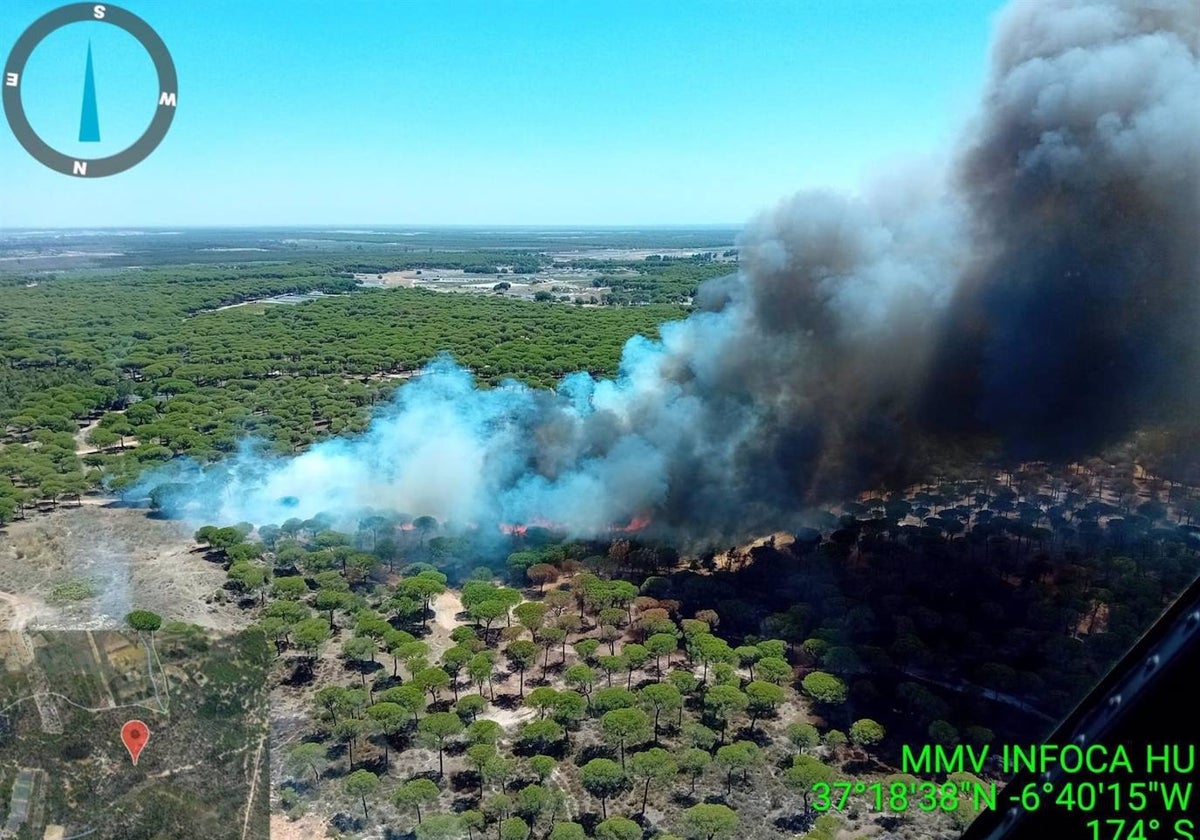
{"x":391,"y":278}
{"x":309,"y":827}
{"x":16,"y":610}
{"x":446,"y":606}
{"x":132,"y":560}
{"x":510,"y":719}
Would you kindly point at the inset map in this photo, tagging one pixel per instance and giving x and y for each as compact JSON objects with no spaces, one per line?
{"x":64,"y":770}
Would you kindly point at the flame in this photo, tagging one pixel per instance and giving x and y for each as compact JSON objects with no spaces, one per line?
{"x":637,"y":523}
{"x":519,"y":529}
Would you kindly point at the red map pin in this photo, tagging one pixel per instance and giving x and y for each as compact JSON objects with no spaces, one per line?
{"x":135,"y":734}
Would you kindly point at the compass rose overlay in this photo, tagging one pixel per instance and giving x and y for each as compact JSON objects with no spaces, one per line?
{"x":164,"y":113}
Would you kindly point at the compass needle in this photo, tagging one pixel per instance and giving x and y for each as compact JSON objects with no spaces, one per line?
{"x":89,"y":117}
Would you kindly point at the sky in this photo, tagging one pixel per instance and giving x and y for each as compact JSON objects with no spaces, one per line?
{"x":496,"y":112}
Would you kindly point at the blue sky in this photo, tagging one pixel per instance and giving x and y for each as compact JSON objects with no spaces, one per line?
{"x":498,"y":112}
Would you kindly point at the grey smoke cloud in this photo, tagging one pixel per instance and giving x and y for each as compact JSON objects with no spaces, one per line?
{"x":1043,"y":289}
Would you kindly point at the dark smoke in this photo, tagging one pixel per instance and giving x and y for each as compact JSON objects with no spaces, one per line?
{"x":1077,"y":320}
{"x":1043,"y":291}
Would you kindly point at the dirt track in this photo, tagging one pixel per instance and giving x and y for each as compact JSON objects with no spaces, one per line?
{"x":16,"y":610}
{"x":446,"y":607}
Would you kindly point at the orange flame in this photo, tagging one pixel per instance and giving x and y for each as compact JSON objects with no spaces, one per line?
{"x":637,"y":523}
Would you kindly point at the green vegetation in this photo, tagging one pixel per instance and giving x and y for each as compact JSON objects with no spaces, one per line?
{"x":146,"y":365}
{"x":660,"y":281}
{"x":72,"y":590}
{"x":144,"y":620}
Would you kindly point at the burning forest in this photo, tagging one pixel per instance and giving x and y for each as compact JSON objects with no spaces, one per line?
{"x":1040,"y":293}
{"x":913,"y":465}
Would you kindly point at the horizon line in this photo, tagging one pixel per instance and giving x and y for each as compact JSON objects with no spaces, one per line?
{"x":366,"y":226}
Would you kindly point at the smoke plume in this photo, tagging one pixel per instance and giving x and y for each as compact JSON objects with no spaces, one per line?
{"x":1076,"y":321}
{"x":1043,"y":290}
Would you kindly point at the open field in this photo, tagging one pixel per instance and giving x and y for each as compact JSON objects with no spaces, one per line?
{"x":131,"y":561}
{"x":569,"y":284}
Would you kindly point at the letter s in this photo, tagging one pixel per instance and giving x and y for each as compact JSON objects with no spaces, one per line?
{"x":98,"y":12}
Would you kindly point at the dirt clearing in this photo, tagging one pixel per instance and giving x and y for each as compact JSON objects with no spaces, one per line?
{"x":309,"y":827}
{"x":125,"y":558}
